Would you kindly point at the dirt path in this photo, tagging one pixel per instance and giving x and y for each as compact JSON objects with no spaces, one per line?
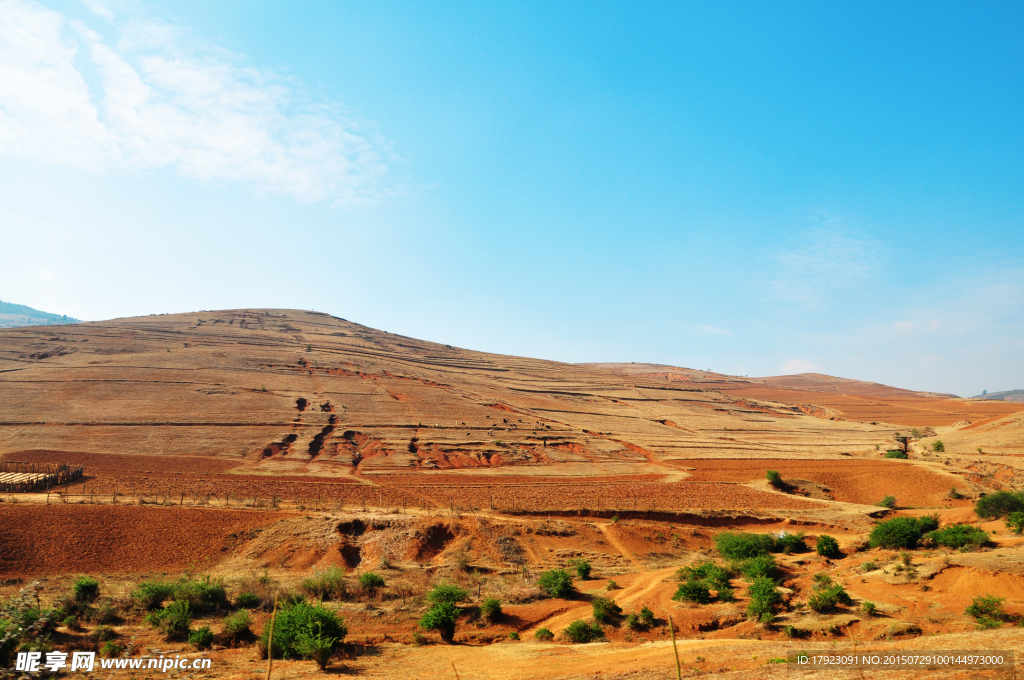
{"x":621,"y":548}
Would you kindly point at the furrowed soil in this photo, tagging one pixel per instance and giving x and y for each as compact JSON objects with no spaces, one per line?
{"x":263,"y":448}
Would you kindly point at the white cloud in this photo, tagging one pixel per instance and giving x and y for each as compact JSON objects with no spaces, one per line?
{"x":155,"y":99}
{"x":798,"y":366}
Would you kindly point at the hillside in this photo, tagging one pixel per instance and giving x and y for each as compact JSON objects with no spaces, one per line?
{"x":270,"y":449}
{"x":1008,"y":395}
{"x":13,"y":315}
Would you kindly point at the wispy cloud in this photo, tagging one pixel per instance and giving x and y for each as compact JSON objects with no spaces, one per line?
{"x":706,"y":329}
{"x":826,"y":259}
{"x":794,"y":366}
{"x":154,"y":98}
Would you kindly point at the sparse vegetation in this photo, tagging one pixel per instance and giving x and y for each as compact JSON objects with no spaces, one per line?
{"x":999,"y":504}
{"x":827,"y":546}
{"x":987,"y":610}
{"x":902,"y":532}
{"x":826,"y":594}
{"x":329,"y":584}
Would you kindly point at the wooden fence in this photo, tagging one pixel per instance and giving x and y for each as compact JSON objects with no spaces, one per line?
{"x":18,"y":477}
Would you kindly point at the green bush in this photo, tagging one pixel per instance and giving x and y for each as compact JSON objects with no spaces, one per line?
{"x":646,"y":617}
{"x":742,"y":545}
{"x":758,"y":567}
{"x":316,"y":646}
{"x":582,"y":568}
{"x":986,"y":607}
{"x":580,"y":631}
{"x":296,"y":624}
{"x":868,"y":607}
{"x":86,"y":589}
{"x":104,"y":612}
{"x":441,"y":617}
{"x":491,"y":609}
{"x":152,"y":594}
{"x":103,"y":633}
{"x":327,"y":584}
{"x":248,"y":600}
{"x":693,"y":591}
{"x":938,"y":446}
{"x":764,"y":598}
{"x":201,"y":638}
{"x":1015,"y":522}
{"x":605,"y":609}
{"x":372,"y":582}
{"x":788,"y":543}
{"x":202,"y":595}
{"x":775,"y":479}
{"x":827,"y":596}
{"x":902,"y":532}
{"x":887,"y":502}
{"x":71,"y":622}
{"x":713,"y":575}
{"x":236,"y":626}
{"x":544,"y":635}
{"x":174,"y":620}
{"x":896,"y":453}
{"x":958,"y":536}
{"x":633,"y":622}
{"x":555,"y":583}
{"x":447,"y":593}
{"x":999,"y":504}
{"x":827,"y":546}
{"x":111,"y":650}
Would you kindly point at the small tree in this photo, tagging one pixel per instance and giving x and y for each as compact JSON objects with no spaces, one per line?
{"x":1015,"y":522}
{"x":887,"y":502}
{"x":448,"y":593}
{"x":441,"y":617}
{"x":938,"y":446}
{"x":827,"y":546}
{"x":605,"y":609}
{"x":999,"y":504}
{"x":775,"y":479}
{"x":582,"y":568}
{"x":86,"y":589}
{"x":580,"y":631}
{"x":544,"y":635}
{"x":693,"y":591}
{"x":764,"y":598}
{"x":490,"y":608}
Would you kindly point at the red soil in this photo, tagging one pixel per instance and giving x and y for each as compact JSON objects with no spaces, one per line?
{"x":53,"y":539}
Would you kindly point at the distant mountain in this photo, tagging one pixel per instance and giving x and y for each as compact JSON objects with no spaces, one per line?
{"x":1009,"y":395}
{"x":12,"y":315}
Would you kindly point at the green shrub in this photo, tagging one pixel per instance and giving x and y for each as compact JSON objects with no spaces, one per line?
{"x":938,"y":446}
{"x":826,"y":597}
{"x":202,"y":595}
{"x":441,"y":617}
{"x":742,"y":545}
{"x":111,"y":650}
{"x":958,"y":536}
{"x":174,"y":620}
{"x":236,"y":626}
{"x":896,"y":453}
{"x":419,"y":639}
{"x":605,"y":609}
{"x":316,"y":646}
{"x":371,"y":582}
{"x":71,"y":622}
{"x":826,"y":546}
{"x":555,"y":583}
{"x":887,"y":502}
{"x":788,"y":543}
{"x":248,"y":600}
{"x":582,"y":568}
{"x":544,"y":635}
{"x":987,"y":606}
{"x":999,"y":504}
{"x":447,"y":593}
{"x":580,"y":631}
{"x":513,"y":635}
{"x":646,"y":617}
{"x":201,"y":638}
{"x":725,"y":594}
{"x":86,"y":589}
{"x":152,"y":594}
{"x":104,"y":612}
{"x":298,"y":622}
{"x":713,"y":575}
{"x":758,"y":567}
{"x":491,"y":609}
{"x":764,"y":598}
{"x":633,"y":622}
{"x":693,"y":591}
{"x":775,"y":479}
{"x":103,"y":633}
{"x":1015,"y":521}
{"x":902,"y":532}
{"x":328,"y":584}
{"x":868,"y":607}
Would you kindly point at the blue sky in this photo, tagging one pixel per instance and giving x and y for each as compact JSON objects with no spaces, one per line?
{"x":752,"y":188}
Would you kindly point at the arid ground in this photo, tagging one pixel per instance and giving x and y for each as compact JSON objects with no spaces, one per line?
{"x":271,"y":445}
